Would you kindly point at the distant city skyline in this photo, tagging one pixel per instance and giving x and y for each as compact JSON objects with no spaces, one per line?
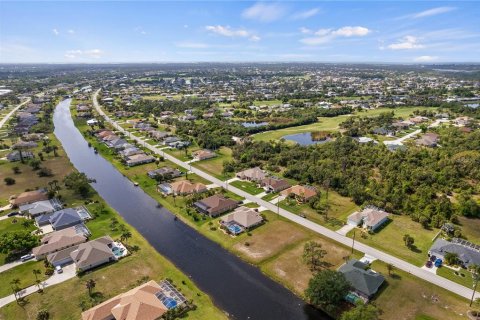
{"x":282,"y":31}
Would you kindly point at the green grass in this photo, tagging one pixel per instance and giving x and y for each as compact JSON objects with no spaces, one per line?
{"x":390,"y":239}
{"x":247,"y":186}
{"x":331,"y":124}
{"x":24,"y":273}
{"x":270,"y":196}
{"x":214,"y":166}
{"x":465,"y":280}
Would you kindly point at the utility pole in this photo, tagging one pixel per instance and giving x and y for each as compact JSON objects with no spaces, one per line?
{"x":474,"y":270}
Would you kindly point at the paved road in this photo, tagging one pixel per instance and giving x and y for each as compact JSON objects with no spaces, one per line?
{"x":405,"y":137}
{"x":69,"y":272}
{"x":5,"y":119}
{"x":377,"y":254}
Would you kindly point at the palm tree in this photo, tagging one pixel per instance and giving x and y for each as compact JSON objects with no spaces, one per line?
{"x":55,"y":148}
{"x":125,"y":236}
{"x":15,"y":283}
{"x":36,"y":273}
{"x":390,"y":268}
{"x":90,"y":284}
{"x":475,"y":270}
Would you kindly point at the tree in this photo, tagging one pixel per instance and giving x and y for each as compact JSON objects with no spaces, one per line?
{"x":390,"y":268}
{"x":408,"y":240}
{"x":55,"y":153}
{"x":9,"y":181}
{"x":35,"y":164}
{"x":16,"y":170}
{"x":43,"y":315}
{"x":125,"y":235}
{"x":36,"y":272}
{"x":475,"y":270}
{"x":327,"y":289}
{"x":90,"y":285}
{"x":15,"y":283}
{"x":361,"y":312}
{"x":451,"y":258}
{"x":17,"y":242}
{"x":313,"y":255}
{"x":78,"y":182}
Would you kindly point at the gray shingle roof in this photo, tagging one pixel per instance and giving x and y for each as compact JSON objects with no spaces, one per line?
{"x":364,"y":281}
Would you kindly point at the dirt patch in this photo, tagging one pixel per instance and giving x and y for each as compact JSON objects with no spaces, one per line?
{"x":269,"y":239}
{"x":290,"y":267}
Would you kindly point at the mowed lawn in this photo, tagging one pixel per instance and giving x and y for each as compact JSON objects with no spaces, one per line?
{"x":390,"y":239}
{"x":247,"y":186}
{"x":214,"y":166}
{"x":332,"y":123}
{"x":339,"y":208}
{"x":24,"y":273}
{"x":404,"y":296}
{"x":470,"y":229}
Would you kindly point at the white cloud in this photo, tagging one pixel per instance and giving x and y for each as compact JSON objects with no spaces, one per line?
{"x":432,"y":12}
{"x":305,"y":30}
{"x":55,"y":32}
{"x":82,"y":54}
{"x":71,"y":31}
{"x":264,"y":12}
{"x":406,"y":43}
{"x":305,"y":14}
{"x":322,"y":36}
{"x":191,"y":45}
{"x":426,"y":59}
{"x":227,"y":31}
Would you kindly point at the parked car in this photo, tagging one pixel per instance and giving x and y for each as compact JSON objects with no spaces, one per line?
{"x":59,"y":269}
{"x":26,"y":257}
{"x":438,"y":263}
{"x":433,"y":258}
{"x":429,"y":264}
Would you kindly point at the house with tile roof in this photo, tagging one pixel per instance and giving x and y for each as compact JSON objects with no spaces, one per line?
{"x":364,"y":282}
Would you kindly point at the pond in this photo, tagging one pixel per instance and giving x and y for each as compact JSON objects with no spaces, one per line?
{"x":304,"y":139}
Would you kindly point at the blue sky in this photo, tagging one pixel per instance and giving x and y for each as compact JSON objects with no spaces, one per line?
{"x":160,"y":31}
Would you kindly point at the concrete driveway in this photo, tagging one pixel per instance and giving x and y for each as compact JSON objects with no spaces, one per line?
{"x":69,"y":272}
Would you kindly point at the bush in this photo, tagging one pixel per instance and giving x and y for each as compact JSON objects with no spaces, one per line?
{"x":9,"y":181}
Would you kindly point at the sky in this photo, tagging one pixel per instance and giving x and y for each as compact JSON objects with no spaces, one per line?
{"x":238,"y":31}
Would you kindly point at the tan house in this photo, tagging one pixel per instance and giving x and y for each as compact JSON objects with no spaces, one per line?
{"x":29,"y":197}
{"x":244,"y":217}
{"x":215,"y":205}
{"x":57,"y":241}
{"x":145,"y":302}
{"x":301,"y":193}
{"x":184,"y":187}
{"x":253,"y":174}
{"x":93,"y":253}
{"x":203,"y":154}
{"x":370,"y":218}
{"x":273,"y":184}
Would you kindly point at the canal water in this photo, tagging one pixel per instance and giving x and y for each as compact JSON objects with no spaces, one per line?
{"x":236,"y":287}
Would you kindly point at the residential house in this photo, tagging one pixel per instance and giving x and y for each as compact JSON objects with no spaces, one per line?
{"x":29,"y":197}
{"x":182,"y":187}
{"x":364,"y":282}
{"x":468,"y":253}
{"x":58,"y":241}
{"x":149,"y":301}
{"x":301,"y":193}
{"x":370,"y":218}
{"x":138,"y":159}
{"x":93,"y":253}
{"x":164,"y":172}
{"x":215,"y":205}
{"x":253,"y":174}
{"x":273,"y":184}
{"x":35,"y":209}
{"x":244,"y":217}
{"x":428,"y":140}
{"x":15,"y":155}
{"x":62,"y":219}
{"x":203,"y":154}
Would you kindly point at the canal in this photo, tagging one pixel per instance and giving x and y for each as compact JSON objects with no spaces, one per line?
{"x":236,"y":287}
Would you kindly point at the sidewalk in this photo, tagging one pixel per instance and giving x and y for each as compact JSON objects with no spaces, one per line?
{"x":69,"y":272}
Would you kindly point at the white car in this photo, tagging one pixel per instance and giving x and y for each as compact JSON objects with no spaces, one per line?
{"x":59,"y":269}
{"x":26,"y":257}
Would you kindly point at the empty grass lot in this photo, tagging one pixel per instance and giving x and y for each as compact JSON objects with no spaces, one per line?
{"x":390,"y":239}
{"x":214,"y":166}
{"x":247,"y":186}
